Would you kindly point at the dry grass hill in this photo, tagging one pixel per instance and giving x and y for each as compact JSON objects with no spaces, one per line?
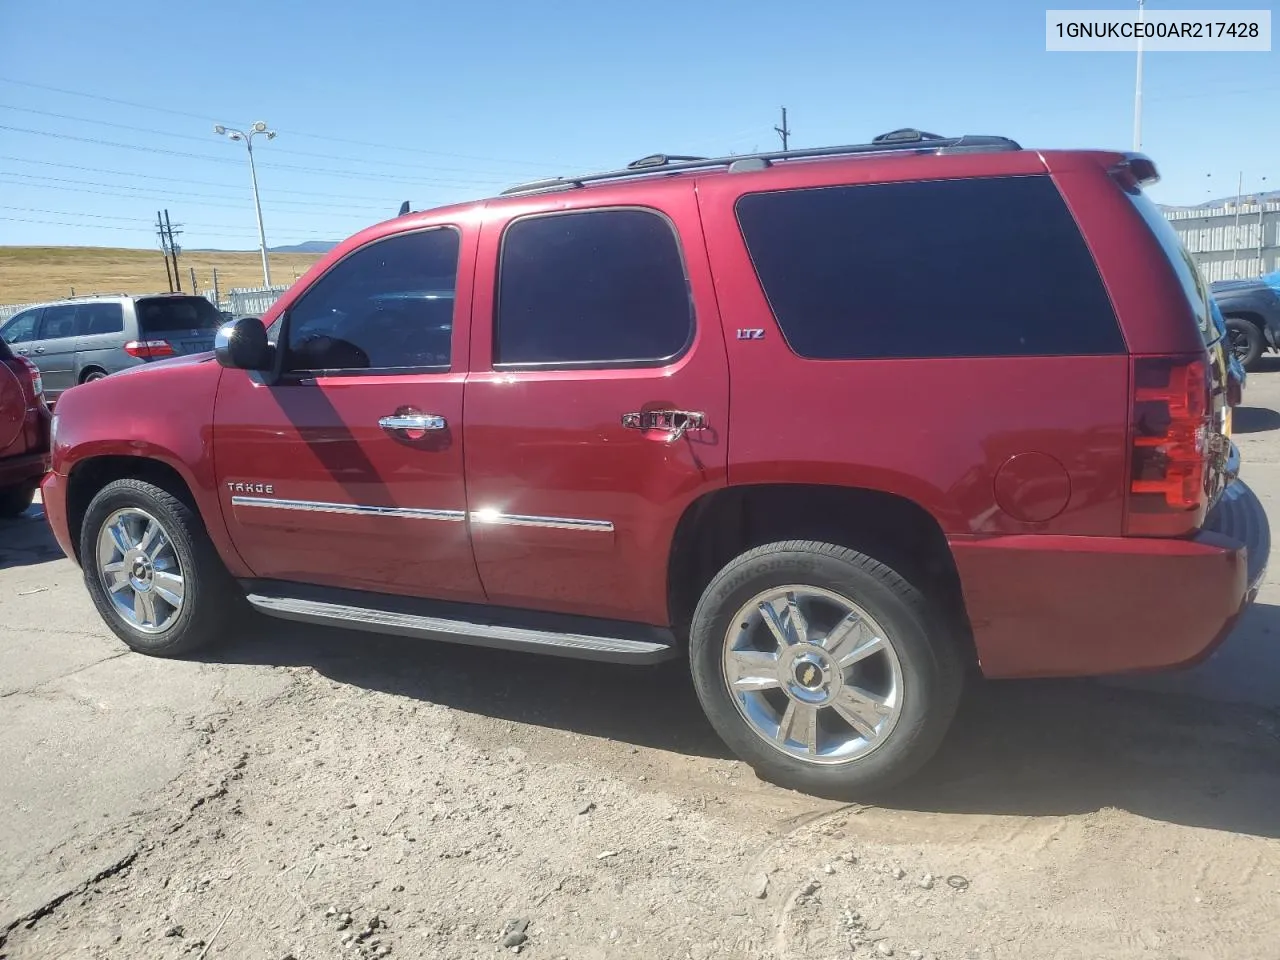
{"x":46,"y":273}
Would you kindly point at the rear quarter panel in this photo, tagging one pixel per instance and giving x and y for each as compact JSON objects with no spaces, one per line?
{"x":936,"y":431}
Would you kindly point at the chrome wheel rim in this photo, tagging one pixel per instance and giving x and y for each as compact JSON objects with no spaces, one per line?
{"x":813,"y":674}
{"x":140,"y":570}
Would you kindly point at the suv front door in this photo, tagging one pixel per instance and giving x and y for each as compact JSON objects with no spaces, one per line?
{"x":347,"y":470}
{"x":595,"y":337}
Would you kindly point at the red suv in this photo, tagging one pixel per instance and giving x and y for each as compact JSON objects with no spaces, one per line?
{"x":24,"y":432}
{"x":835,"y":424}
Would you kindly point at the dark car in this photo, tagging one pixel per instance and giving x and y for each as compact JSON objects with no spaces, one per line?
{"x":24,"y":432}
{"x":838,"y":426}
{"x":85,"y":339}
{"x":1251,"y":309}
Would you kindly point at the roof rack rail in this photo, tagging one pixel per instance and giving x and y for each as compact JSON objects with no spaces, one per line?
{"x":906,"y":139}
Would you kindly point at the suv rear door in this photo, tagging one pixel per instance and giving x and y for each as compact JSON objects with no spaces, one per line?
{"x":595,"y":331}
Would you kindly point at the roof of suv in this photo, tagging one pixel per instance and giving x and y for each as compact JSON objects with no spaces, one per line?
{"x":905,"y":140}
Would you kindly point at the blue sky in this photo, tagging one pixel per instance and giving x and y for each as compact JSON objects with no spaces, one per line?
{"x":385,"y":100}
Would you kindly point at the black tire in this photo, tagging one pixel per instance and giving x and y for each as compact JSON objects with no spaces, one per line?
{"x":932,"y":674}
{"x":92,"y":374}
{"x":15,"y":500}
{"x":1246,"y":341}
{"x":210,"y":597}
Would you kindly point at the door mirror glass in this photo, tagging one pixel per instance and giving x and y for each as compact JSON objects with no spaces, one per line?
{"x":242,"y":345}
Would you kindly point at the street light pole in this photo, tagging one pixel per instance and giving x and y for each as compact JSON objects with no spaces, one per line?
{"x":1137,"y":88}
{"x":257,"y":128}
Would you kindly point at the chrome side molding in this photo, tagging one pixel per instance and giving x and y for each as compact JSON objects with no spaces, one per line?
{"x":354,"y":509}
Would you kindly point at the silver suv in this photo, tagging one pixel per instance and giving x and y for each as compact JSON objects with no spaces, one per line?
{"x":87,"y":338}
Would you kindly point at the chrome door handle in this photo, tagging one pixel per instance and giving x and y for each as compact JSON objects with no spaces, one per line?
{"x":676,"y":422}
{"x":39,"y":350}
{"x":413,"y":421}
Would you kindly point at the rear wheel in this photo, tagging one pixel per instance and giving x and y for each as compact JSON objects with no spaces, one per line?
{"x":15,"y":500}
{"x":152,"y":571}
{"x":1246,"y":341}
{"x":92,"y":374}
{"x":823,"y":668}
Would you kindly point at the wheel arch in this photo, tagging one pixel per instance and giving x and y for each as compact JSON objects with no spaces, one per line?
{"x":91,"y":474}
{"x":896,"y":530}
{"x":89,"y":368}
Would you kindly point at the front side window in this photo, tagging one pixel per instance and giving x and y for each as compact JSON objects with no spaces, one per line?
{"x":22,"y":328}
{"x":389,"y":305}
{"x":57,"y":322}
{"x":601,"y":287}
{"x":979,"y":267}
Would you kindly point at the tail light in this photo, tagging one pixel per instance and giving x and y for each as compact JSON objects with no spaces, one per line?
{"x":34,"y":379}
{"x":149,"y":349}
{"x":1168,"y":476}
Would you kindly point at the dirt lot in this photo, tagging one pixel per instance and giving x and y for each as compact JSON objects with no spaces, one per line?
{"x":30,"y":274}
{"x":313,"y":793}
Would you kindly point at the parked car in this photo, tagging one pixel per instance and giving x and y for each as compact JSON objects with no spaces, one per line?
{"x":24,"y":432}
{"x":1251,"y":309}
{"x":85,"y":339}
{"x":838,"y":425}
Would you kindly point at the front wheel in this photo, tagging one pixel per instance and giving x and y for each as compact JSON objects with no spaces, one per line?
{"x":823,"y":668}
{"x":1246,"y":341}
{"x":151,"y":570}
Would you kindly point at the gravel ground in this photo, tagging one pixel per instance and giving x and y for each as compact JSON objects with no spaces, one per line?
{"x":313,"y":793}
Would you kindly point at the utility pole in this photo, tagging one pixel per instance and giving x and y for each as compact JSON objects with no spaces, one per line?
{"x":258,"y":127}
{"x":784,"y":131}
{"x":174,"y":250}
{"x":1137,"y":87}
{"x":193,"y":279}
{"x":164,"y":249}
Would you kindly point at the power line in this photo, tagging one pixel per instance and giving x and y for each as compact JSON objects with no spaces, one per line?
{"x":296,"y":133}
{"x":277,"y":166}
{"x":106,"y":226}
{"x":186,"y":136}
{"x":205,"y":198}
{"x":326,"y":194}
{"x":105,"y":216}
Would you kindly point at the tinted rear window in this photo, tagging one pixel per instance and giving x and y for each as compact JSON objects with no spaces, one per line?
{"x":1188,"y":275}
{"x":948,"y":268}
{"x":96,"y":318}
{"x":177,"y":313}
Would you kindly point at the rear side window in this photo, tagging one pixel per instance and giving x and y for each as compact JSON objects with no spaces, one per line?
{"x":1185,"y":268}
{"x":946,"y":268}
{"x":166,"y":314}
{"x":597,"y":288}
{"x":95,"y":318}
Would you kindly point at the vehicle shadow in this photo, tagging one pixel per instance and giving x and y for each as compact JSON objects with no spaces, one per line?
{"x":1035,"y":748}
{"x":27,"y":540}
{"x":1254,"y":419}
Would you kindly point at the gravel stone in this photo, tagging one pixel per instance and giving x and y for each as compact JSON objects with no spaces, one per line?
{"x":760,"y":888}
{"x":884,"y":948}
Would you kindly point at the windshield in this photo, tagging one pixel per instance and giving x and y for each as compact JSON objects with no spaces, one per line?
{"x":177,"y":313}
{"x":1185,"y":268}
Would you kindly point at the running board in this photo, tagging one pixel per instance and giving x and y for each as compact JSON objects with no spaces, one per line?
{"x":583,"y":638}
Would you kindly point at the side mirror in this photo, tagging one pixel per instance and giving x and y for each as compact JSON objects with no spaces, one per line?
{"x":242,"y":345}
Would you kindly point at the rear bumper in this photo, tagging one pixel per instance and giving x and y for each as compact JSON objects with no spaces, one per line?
{"x":29,"y":468}
{"x":1079,"y":606}
{"x":53,"y":494}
